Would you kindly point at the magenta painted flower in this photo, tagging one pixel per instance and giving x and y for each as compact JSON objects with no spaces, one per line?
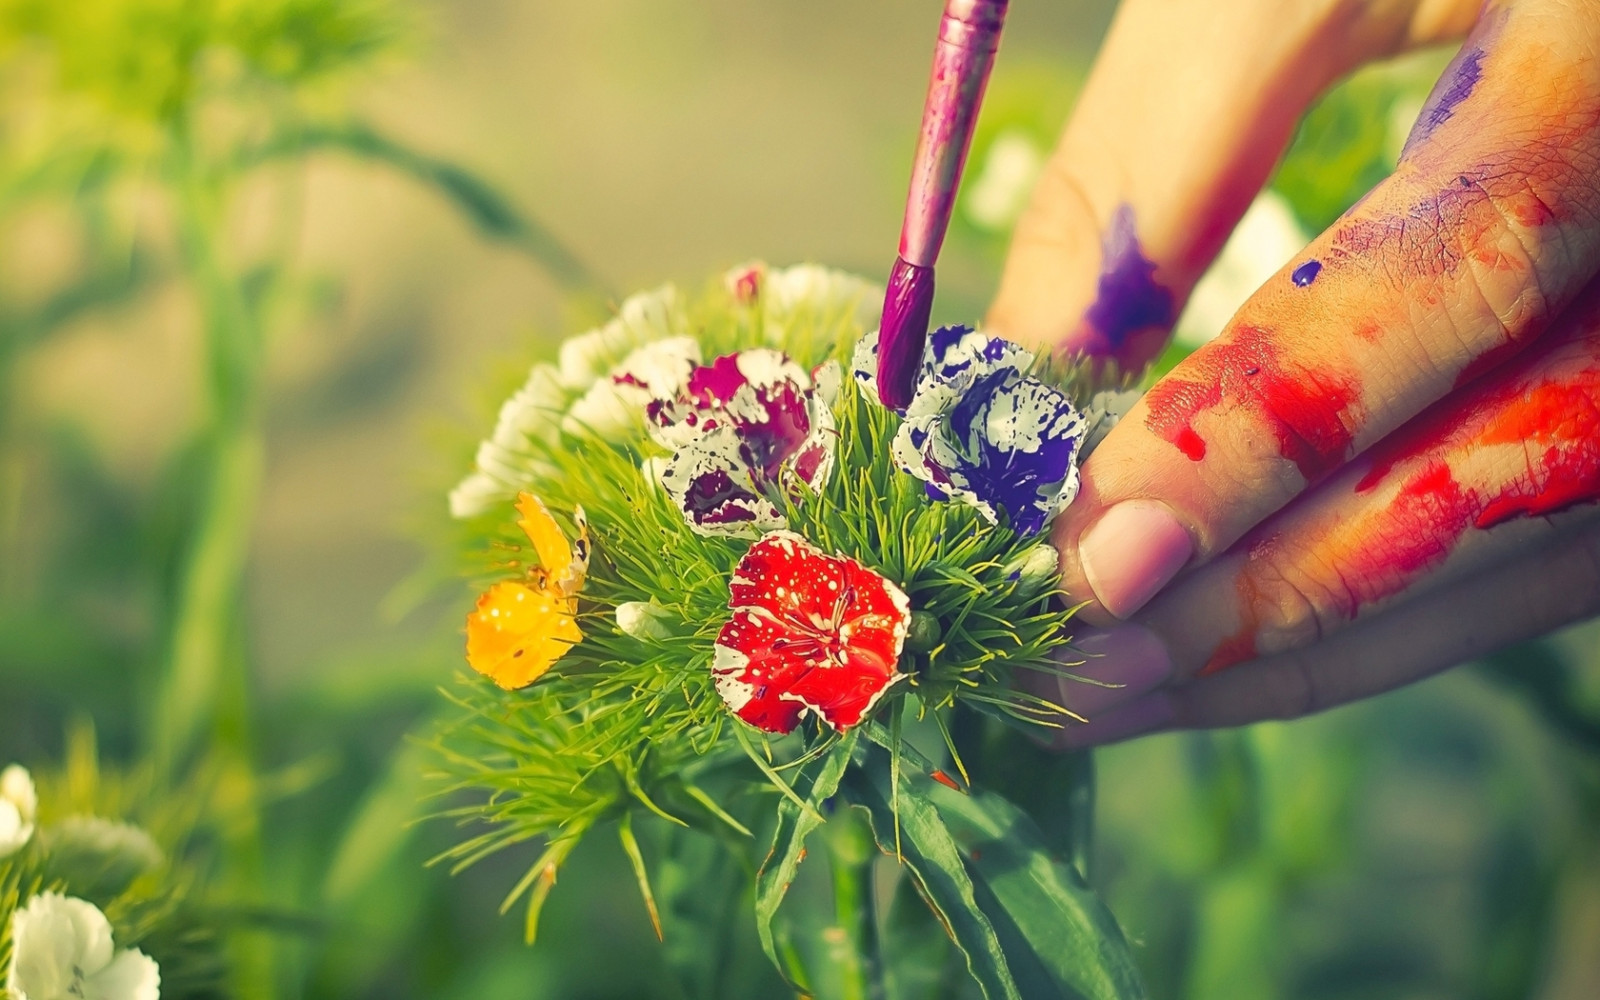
{"x":809,"y":631}
{"x":741,"y":427}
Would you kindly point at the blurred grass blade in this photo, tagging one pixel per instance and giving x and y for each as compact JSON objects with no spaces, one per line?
{"x":378,"y":832}
{"x":489,"y":210}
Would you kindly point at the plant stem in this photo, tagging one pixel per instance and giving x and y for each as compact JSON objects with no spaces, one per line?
{"x":206,"y":685}
{"x":214,"y":564}
{"x":853,"y":939}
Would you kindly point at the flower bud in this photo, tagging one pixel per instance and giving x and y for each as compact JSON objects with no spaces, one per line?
{"x":644,"y":620}
{"x":1036,"y":568}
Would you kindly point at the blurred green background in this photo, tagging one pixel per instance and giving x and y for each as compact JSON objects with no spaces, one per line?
{"x":262,"y":264}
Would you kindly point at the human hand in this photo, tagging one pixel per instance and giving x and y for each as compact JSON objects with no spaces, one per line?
{"x":1386,"y":463}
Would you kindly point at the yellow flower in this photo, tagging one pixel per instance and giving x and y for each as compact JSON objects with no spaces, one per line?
{"x":520,"y":628}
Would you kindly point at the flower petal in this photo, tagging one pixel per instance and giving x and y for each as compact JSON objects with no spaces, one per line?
{"x":516,"y":633}
{"x":709,"y":480}
{"x":741,"y":425}
{"x":1009,"y":445}
{"x":132,"y":975}
{"x":19,"y":806}
{"x":57,"y":941}
{"x":809,"y":630}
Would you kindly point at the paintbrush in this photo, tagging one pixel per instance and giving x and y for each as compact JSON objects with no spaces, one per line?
{"x":969,"y":34}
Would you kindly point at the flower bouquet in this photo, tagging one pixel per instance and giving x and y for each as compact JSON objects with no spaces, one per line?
{"x":732,"y":606}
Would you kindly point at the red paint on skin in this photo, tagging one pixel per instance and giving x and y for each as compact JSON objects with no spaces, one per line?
{"x":1306,"y":411}
{"x":1565,"y":418}
{"x":1379,"y":552}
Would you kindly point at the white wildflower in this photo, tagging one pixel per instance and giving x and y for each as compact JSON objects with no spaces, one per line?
{"x":614,"y":406}
{"x":62,"y":950}
{"x":821,"y":294}
{"x":531,"y":421}
{"x":19,"y":805}
{"x":642,"y":318}
{"x":89,"y":850}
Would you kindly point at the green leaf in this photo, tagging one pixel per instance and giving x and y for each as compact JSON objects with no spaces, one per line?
{"x":1025,"y":919}
{"x":702,"y":883}
{"x":1058,"y":917}
{"x":630,"y":846}
{"x":933,"y":859}
{"x":795,"y":823}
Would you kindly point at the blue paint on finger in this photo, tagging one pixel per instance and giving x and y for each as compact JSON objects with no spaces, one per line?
{"x":1306,"y":273}
{"x":1456,"y":84}
{"x":1128,"y":298}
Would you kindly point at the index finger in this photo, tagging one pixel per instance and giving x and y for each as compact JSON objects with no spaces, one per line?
{"x":1484,"y":232}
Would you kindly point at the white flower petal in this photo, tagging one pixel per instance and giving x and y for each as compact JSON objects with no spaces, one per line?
{"x":62,"y":950}
{"x":19,"y":806}
{"x":93,"y":840}
{"x":477,"y":494}
{"x":824,"y":295}
{"x":132,"y":975}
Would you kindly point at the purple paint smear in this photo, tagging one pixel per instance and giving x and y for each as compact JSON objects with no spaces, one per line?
{"x":1306,"y":273}
{"x":1128,"y":299}
{"x":1455,"y":86}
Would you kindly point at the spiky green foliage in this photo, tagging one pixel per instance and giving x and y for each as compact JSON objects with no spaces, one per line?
{"x":624,"y":724}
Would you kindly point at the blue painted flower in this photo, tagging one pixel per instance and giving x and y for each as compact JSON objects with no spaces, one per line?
{"x":980,"y":431}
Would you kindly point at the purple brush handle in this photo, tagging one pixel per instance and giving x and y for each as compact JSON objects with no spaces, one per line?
{"x":969,"y":34}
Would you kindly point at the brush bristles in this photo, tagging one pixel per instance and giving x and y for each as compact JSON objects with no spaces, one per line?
{"x":903,"y":331}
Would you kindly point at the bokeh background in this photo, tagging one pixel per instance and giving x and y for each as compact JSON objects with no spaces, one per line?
{"x":266,"y":264}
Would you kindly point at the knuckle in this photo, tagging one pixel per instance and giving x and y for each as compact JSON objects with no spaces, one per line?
{"x":1298,"y":604}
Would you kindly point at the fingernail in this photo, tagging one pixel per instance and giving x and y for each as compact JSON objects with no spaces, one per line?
{"x":1131,"y":553}
{"x":1152,"y":713}
{"x":1119,"y":665}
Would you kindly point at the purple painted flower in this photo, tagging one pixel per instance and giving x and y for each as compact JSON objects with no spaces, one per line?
{"x":980,"y":431}
{"x":742,"y":424}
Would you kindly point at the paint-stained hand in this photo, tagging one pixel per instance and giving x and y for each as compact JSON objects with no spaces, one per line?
{"x":1388,"y":462}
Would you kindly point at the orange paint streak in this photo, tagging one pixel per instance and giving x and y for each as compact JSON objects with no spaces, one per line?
{"x":1549,"y":406}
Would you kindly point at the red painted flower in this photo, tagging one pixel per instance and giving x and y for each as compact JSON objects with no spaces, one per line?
{"x":809,"y":630}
